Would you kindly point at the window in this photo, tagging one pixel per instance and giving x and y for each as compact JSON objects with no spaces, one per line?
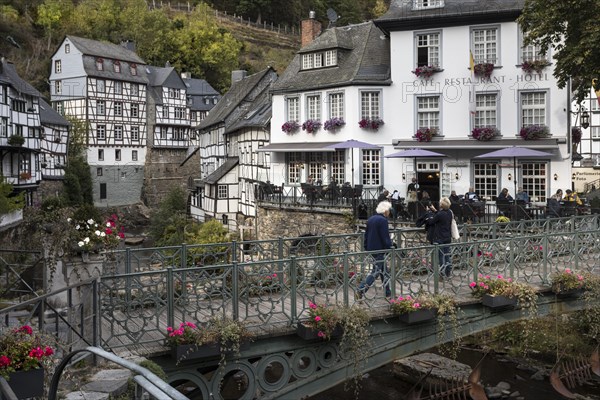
{"x":135,"y":133}
{"x":293,"y":109}
{"x":534,"y":180}
{"x":428,"y":49}
{"x":133,"y":69}
{"x":163,"y":132}
{"x":295,"y":164}
{"x":222,"y":191}
{"x":371,"y":167}
{"x":18,"y":130}
{"x":3,"y":127}
{"x":100,"y":107}
{"x":100,"y":86}
{"x":338,"y":163}
{"x":315,"y":166}
{"x":57,"y":66}
{"x":531,"y":52}
{"x":134,"y":155}
{"x":533,"y":108}
{"x":165,"y":112}
{"x":118,"y":87}
{"x":3,"y":94}
{"x":101,"y":132}
{"x":336,"y":105}
{"x":117,"y":66}
{"x":327,"y":58}
{"x":117,"y":154}
{"x":67,"y":48}
{"x":370,"y":104}
{"x":595,"y":131}
{"x":118,"y":108}
{"x":103,"y":191}
{"x":179,"y":113}
{"x":99,"y":171}
{"x":18,"y":105}
{"x":486,"y":110}
{"x":100,"y":154}
{"x":135,"y":90}
{"x":330,"y":58}
{"x":99,"y":64}
{"x":428,"y":112}
{"x":174,"y":93}
{"x":485,"y":46}
{"x":423,"y":4}
{"x":58,"y":87}
{"x":178,"y":134}
{"x":134,"y":110}
{"x":225,"y":219}
{"x":118,"y":132}
{"x":485,"y":179}
{"x":60,"y":108}
{"x":313,"y":107}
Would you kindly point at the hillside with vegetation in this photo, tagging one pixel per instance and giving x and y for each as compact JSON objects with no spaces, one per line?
{"x":192,"y":37}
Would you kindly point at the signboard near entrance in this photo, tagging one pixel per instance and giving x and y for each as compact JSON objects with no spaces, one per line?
{"x":582,"y":176}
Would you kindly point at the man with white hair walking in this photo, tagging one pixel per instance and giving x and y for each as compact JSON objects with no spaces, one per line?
{"x":377,"y":237}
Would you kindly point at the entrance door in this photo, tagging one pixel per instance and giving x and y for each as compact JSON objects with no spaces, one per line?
{"x":430,"y":182}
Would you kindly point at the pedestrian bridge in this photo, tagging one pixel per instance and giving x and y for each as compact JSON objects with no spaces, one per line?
{"x":132,"y":295}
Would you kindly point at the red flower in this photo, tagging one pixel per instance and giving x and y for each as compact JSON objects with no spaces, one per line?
{"x":4,"y":361}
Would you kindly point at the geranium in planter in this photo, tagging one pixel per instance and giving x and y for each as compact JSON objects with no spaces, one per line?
{"x":483,"y":70}
{"x":23,"y":356}
{"x":536,"y":66}
{"x":500,"y":292}
{"x":89,"y":235}
{"x":485,"y":133}
{"x":567,"y":281}
{"x":334,"y":123}
{"x":373,"y":124}
{"x":426,"y":71}
{"x":322,"y":322}
{"x":311,"y":126}
{"x":412,"y":310}
{"x":290,"y":127}
{"x":425,"y":134}
{"x":532,"y":132}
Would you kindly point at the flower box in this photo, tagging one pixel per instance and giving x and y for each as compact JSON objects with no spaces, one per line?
{"x":532,"y":132}
{"x":425,"y":134}
{"x":536,"y":66}
{"x":185,"y":352}
{"x":483,"y":70}
{"x":334,"y":124}
{"x":426,"y":71}
{"x":290,"y":127}
{"x":498,"y":302}
{"x":308,"y":333}
{"x":417,"y":316}
{"x":373,"y":124}
{"x":27,"y":384}
{"x":565,"y":293}
{"x":311,"y":126}
{"x":484,"y":133}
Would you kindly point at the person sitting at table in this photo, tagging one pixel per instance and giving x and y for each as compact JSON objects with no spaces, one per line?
{"x":310,"y":180}
{"x":553,"y":210}
{"x":471,"y":195}
{"x":383,"y":196}
{"x":522,"y":195}
{"x":454,"y":198}
{"x":504,"y":195}
{"x":572,"y":196}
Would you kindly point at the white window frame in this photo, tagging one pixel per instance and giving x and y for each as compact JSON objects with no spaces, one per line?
{"x":485,"y":179}
{"x":118,"y":109}
{"x":100,"y":154}
{"x":370,"y":104}
{"x":595,"y":132}
{"x":432,"y":43}
{"x":534,"y":179}
{"x":295,"y":165}
{"x":118,"y":132}
{"x":485,"y":44}
{"x":57,"y":66}
{"x":67,"y":48}
{"x":313,"y":107}
{"x":371,"y":167}
{"x":118,"y":87}
{"x":427,"y":4}
{"x":531,"y":52}
{"x":330,"y":58}
{"x":135,"y":133}
{"x":180,"y":113}
{"x":100,"y":107}
{"x":134,"y":89}
{"x":293,"y":108}
{"x":100,"y":86}
{"x":535,"y":112}
{"x":222,"y":191}
{"x":101,"y":132}
{"x":117,"y":66}
{"x":135,"y":110}
{"x":335,"y":101}
{"x":429,"y":112}
{"x":486,"y":110}
{"x":58,"y":87}
{"x":134,"y":155}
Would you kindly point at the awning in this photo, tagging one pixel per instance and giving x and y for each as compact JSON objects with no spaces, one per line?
{"x":468,"y":144}
{"x":300,"y":147}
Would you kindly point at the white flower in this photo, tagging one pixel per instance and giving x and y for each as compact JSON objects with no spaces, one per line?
{"x":80,"y":244}
{"x":86,"y":240}
{"x":102,"y":234}
{"x":77,"y":227}
{"x":108,"y":224}
{"x":69,"y":219}
{"x":98,"y":233}
{"x":90,"y":221}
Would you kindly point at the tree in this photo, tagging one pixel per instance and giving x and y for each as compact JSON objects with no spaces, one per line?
{"x":167,"y":223}
{"x":570,"y":29}
{"x":78,"y":178}
{"x":9,"y":201}
{"x":51,"y":13}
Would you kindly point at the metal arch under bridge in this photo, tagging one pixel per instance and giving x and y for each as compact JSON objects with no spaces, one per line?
{"x":305,"y":368}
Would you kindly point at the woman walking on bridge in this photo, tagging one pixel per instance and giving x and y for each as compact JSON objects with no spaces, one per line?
{"x":442,"y":234}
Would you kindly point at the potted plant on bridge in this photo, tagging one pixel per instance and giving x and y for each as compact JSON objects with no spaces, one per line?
{"x":499,"y":293}
{"x":322,"y":322}
{"x":567,"y":283}
{"x":23,"y":357}
{"x":354,"y":344}
{"x":412,"y":310}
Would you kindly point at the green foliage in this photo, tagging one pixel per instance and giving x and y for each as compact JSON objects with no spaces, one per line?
{"x":9,"y":13}
{"x":355,"y":342}
{"x":570,"y":30}
{"x":167,"y":222}
{"x":154,"y":368}
{"x":9,"y":201}
{"x":78,"y":182}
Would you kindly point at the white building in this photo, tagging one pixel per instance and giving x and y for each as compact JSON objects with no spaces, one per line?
{"x":365,"y":71}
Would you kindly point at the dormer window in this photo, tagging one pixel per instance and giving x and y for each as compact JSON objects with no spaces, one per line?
{"x":321,"y":59}
{"x":117,"y":66}
{"x":133,"y":69}
{"x":426,"y":4}
{"x":99,"y":64}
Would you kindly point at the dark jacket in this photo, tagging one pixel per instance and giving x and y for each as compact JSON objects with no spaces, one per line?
{"x":377,"y":234}
{"x":441,"y":222}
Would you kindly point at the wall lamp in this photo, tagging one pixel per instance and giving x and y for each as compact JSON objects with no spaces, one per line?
{"x":573,"y":176}
{"x":555,"y":177}
{"x":585,"y":119}
{"x":403,"y":176}
{"x":510,"y":177}
{"x":456,"y":176}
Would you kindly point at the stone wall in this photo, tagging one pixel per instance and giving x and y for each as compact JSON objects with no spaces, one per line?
{"x":272,"y":222}
{"x":163,"y":172}
{"x":48,"y":189}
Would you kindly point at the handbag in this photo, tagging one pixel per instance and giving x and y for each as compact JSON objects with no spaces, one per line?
{"x":454,"y":228}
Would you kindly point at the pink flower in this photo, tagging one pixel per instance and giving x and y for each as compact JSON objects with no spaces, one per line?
{"x":25,"y":328}
{"x":108,"y":231}
{"x":312,"y":305}
{"x":472,"y":284}
{"x":500,"y":277}
{"x":274,"y":275}
{"x":169,"y":329}
{"x":317,"y":318}
{"x":400,"y":298}
{"x":416,"y":305}
{"x":568,"y":271}
{"x":48,"y":351}
{"x":487,"y":277}
{"x":191,"y":325}
{"x":36,"y":352}
{"x":321,"y":334}
{"x":579,"y":277}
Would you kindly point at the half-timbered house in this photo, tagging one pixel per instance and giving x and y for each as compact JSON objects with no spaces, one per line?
{"x":55,"y":138}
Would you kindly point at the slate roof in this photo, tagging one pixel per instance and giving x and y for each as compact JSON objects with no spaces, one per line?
{"x":402,"y":16}
{"x":258,"y":114}
{"x":9,"y":75}
{"x":197,"y":91}
{"x":229,"y":103}
{"x":90,"y":47}
{"x":160,"y":77}
{"x":363,"y":58}
{"x":48,"y":116}
{"x":220,"y":172}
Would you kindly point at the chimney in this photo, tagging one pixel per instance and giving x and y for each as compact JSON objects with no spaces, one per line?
{"x":186,"y":75}
{"x":129,"y":45}
{"x":311,"y":28}
{"x":238,"y":75}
